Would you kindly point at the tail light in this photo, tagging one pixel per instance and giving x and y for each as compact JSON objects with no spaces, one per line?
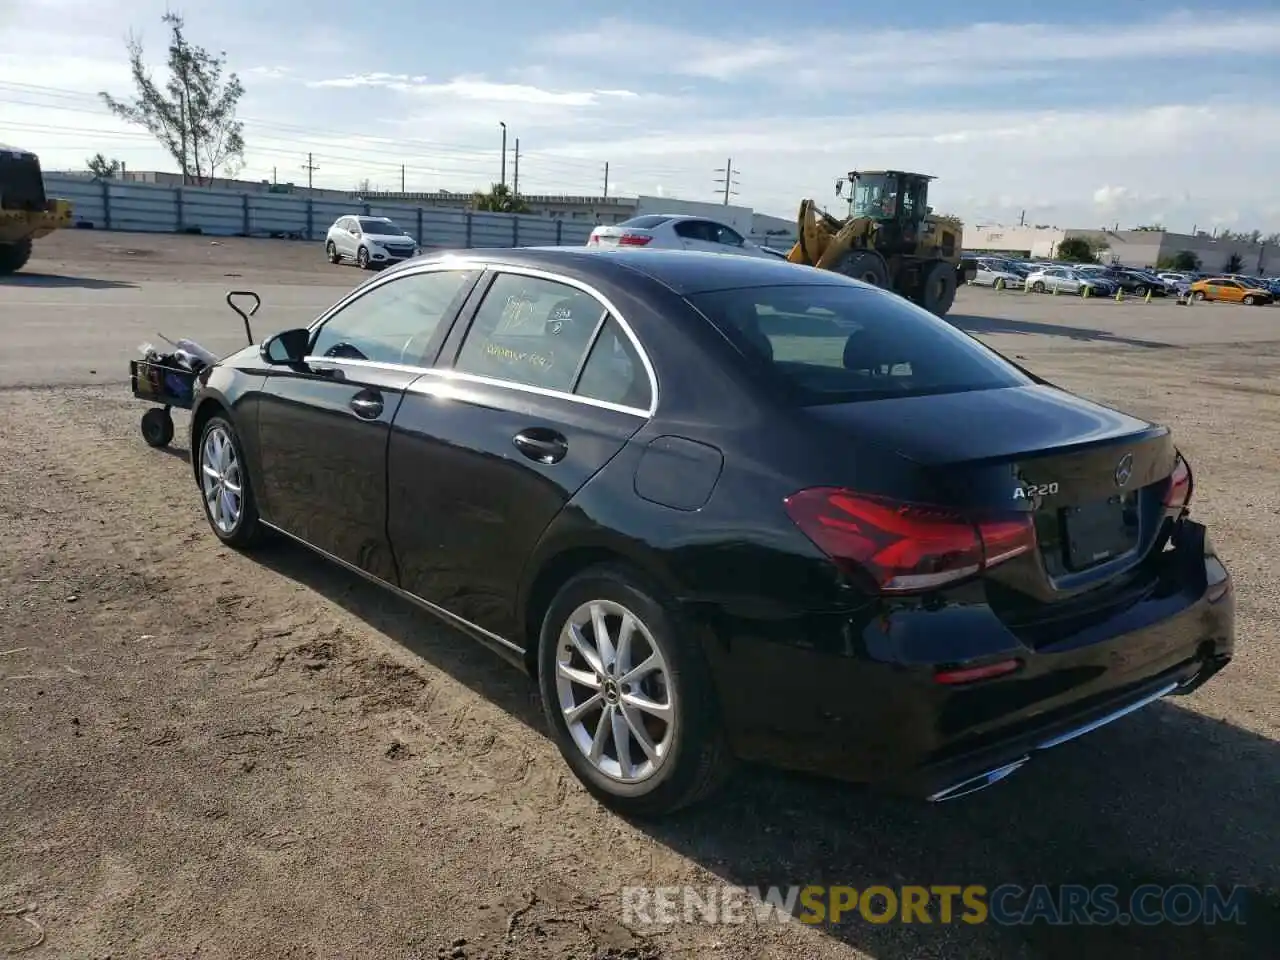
{"x":593,"y":240}
{"x":906,"y":547}
{"x":634,"y":239}
{"x":1179,"y":493}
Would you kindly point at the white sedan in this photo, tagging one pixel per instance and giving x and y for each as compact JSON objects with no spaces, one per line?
{"x":993,"y":274}
{"x":676,"y":232}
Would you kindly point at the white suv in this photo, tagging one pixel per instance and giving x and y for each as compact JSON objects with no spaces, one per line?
{"x":369,"y":241}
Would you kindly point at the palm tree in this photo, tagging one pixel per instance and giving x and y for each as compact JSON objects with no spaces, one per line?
{"x":499,"y":199}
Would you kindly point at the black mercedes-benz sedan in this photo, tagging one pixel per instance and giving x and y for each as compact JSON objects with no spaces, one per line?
{"x":728,"y":508}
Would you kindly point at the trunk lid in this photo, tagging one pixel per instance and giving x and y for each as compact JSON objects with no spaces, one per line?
{"x":1092,"y":477}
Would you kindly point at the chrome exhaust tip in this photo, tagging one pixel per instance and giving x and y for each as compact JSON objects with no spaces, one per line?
{"x":980,"y":782}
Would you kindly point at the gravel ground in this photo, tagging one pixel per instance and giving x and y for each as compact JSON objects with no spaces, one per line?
{"x":215,"y":756}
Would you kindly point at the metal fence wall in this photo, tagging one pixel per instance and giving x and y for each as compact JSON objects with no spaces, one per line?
{"x":154,"y":208}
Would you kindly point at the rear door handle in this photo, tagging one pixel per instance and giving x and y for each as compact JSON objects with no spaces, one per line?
{"x":367,"y":405}
{"x":541,"y":445}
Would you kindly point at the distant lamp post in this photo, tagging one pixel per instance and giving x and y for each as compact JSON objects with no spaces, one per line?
{"x":504,"y":152}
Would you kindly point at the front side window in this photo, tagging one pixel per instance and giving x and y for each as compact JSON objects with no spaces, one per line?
{"x":819,"y":344}
{"x":394,"y":322}
{"x":531,"y":331}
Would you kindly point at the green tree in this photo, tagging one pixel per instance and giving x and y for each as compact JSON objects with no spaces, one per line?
{"x":1077,"y":250}
{"x":1234,"y":264}
{"x":194,"y":114}
{"x":1184,"y":261}
{"x":499,"y":199}
{"x":104,"y":169}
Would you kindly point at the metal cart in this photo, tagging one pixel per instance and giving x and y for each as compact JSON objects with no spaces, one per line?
{"x":174,"y":386}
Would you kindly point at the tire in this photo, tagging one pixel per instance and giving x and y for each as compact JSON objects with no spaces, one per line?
{"x":362,"y":259}
{"x":695,"y":760}
{"x":14,"y":256}
{"x":1249,"y":301}
{"x":244,"y":530}
{"x":1198,"y":295}
{"x":865,"y":265}
{"x":1037,"y":287}
{"x":938,"y":288}
{"x":1139,"y":291}
{"x":331,"y":252}
{"x":157,"y":427}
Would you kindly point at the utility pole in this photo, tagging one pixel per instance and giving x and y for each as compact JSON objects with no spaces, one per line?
{"x":515,"y":176}
{"x":606,"y":179}
{"x":311,"y":168}
{"x":1022,"y":220}
{"x":402,"y":178}
{"x":504,"y":152}
{"x":727,"y":180}
{"x":274,"y":180}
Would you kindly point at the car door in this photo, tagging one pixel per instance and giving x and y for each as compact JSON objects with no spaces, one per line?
{"x":340,"y":234}
{"x":532,"y":397}
{"x":323,"y":428}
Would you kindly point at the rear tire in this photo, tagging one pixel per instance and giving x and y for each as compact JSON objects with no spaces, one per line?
{"x":1198,"y":295}
{"x":1037,"y":287}
{"x":938,"y":288}
{"x":865,"y":265}
{"x":1249,"y":301}
{"x":688,"y":756}
{"x":14,"y":256}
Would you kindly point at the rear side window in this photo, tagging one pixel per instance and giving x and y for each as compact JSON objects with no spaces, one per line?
{"x":644,"y":223}
{"x":835,"y":344}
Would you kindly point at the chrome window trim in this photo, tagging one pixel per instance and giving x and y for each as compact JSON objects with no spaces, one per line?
{"x":469,"y":263}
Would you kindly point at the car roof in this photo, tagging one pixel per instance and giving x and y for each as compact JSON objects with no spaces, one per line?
{"x":683,"y":271}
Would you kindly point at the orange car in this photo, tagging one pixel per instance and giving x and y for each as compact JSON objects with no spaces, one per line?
{"x":1230,"y":291}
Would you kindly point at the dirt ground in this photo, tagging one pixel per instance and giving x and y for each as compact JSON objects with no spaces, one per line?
{"x":216,"y":756}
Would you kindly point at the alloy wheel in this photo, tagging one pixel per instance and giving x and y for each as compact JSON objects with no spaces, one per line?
{"x":221,"y":480}
{"x":615,"y":692}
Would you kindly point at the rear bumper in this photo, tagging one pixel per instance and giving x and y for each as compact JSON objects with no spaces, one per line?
{"x":859,"y":701}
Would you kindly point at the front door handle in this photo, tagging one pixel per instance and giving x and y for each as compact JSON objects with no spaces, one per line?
{"x":366,"y":405}
{"x":541,"y":445}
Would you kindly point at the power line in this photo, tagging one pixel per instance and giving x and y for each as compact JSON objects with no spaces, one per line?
{"x":301,"y":134}
{"x":727,"y":180}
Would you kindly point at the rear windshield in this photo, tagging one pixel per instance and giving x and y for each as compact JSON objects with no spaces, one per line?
{"x":644,"y":223}
{"x":835,"y":344}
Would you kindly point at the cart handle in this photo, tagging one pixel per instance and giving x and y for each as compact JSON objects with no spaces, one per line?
{"x":257,"y":302}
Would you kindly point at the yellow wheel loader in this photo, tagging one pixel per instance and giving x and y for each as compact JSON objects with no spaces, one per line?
{"x":891,"y":238}
{"x":26,"y":214}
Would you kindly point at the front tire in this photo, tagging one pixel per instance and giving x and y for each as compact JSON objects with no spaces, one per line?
{"x":1198,"y":295}
{"x":865,"y":265}
{"x":157,"y":427}
{"x":362,"y":259}
{"x":14,"y":256}
{"x":938,"y":288}
{"x":1249,"y":301}
{"x":229,"y":504}
{"x":331,"y":252}
{"x":628,"y":696}
{"x":1037,"y":287}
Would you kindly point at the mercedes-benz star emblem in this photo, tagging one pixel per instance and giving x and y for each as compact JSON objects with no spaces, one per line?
{"x":1124,"y":469}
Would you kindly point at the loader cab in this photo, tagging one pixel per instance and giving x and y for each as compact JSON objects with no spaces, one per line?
{"x":898,"y":202}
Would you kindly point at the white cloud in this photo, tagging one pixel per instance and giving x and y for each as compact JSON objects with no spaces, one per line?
{"x":478,"y":89}
{"x":893,"y":57}
{"x":775,"y":106}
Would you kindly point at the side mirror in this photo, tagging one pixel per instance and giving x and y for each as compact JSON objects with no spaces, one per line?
{"x":286,"y":349}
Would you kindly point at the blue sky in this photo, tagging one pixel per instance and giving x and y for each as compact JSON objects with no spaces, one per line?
{"x":1080,"y":114}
